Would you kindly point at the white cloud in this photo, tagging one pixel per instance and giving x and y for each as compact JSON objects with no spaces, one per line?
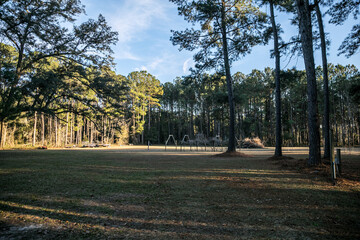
{"x":188,"y":64}
{"x":133,"y":17}
{"x":155,"y":63}
{"x":124,"y":52}
{"x":142,"y":68}
{"x":144,"y":30}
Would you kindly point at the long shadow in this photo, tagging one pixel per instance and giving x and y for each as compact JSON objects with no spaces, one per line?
{"x":206,"y":201}
{"x":180,"y":224}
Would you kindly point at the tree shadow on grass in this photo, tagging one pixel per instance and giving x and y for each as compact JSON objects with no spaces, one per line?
{"x":171,"y":197}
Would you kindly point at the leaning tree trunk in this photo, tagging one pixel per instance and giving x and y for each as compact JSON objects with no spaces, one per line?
{"x":231,"y":144}
{"x":305,"y":28}
{"x":326,"y":128}
{"x":278,"y":145}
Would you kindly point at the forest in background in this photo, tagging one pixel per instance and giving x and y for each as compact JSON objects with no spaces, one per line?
{"x":150,"y":111}
{"x":60,"y":89}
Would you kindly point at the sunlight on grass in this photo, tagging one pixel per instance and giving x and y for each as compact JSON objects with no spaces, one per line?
{"x":15,"y":170}
{"x":121,"y":221}
{"x":155,"y":195}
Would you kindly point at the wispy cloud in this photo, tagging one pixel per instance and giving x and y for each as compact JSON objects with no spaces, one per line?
{"x":164,"y":66}
{"x":123,"y":51}
{"x":144,"y":31}
{"x":142,"y":68}
{"x":133,"y":17}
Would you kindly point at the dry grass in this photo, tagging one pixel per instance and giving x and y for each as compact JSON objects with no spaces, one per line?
{"x":251,"y":143}
{"x":130,"y":193}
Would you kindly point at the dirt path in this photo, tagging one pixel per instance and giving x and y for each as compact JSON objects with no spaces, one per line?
{"x":120,"y":194}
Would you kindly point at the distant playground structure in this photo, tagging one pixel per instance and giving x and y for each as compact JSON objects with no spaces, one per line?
{"x":214,"y":144}
{"x":200,"y":143}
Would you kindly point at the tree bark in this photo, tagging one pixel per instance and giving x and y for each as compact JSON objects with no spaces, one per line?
{"x":305,"y":28}
{"x":326,"y":120}
{"x":278,"y":144}
{"x":5,"y":133}
{"x":42,"y":129}
{"x":2,"y":144}
{"x":49,"y":130}
{"x":34,"y":133}
{"x":56,"y":132}
{"x":71,"y":128}
{"x":149,"y":123}
{"x":91,"y":132}
{"x":231,"y":144}
{"x":142,"y":133}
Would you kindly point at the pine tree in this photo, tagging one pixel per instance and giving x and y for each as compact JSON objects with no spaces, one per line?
{"x":228,"y":30}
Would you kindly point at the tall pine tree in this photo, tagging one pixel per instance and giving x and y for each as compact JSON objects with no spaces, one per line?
{"x":228,"y":30}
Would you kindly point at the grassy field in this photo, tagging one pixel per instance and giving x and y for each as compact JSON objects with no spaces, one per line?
{"x":130,"y":193}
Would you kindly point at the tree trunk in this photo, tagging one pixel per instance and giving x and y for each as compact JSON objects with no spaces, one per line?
{"x":103,"y":130}
{"x":231,"y":144}
{"x":278,"y":144}
{"x":2,"y":142}
{"x":149,"y":123}
{"x":192,"y":121}
{"x":42,"y":129}
{"x":305,"y":28}
{"x":67,"y":129}
{"x":142,"y":133}
{"x":326,"y":120}
{"x":91,"y":132}
{"x":49,"y":130}
{"x":71,"y":128}
{"x":5,"y":133}
{"x":56,"y":132}
{"x":34,"y":133}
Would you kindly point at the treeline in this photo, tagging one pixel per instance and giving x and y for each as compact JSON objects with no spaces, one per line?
{"x":98,"y":107}
{"x":198,"y":105}
{"x":57,"y":86}
{"x":193,"y":106}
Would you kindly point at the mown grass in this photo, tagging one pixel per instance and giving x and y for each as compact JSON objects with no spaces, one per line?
{"x":117,"y":194}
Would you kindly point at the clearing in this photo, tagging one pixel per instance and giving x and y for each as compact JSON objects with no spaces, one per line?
{"x":131,"y":193}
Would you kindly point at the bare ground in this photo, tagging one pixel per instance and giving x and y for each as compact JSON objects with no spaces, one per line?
{"x":131,"y":193}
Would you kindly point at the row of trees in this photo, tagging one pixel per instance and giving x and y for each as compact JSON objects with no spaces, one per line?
{"x":198,"y":105}
{"x":229,"y":28}
{"x":101,"y":107}
{"x":58,"y":86}
{"x":192,"y":105}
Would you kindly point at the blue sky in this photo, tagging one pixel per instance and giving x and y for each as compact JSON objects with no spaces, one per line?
{"x":144,"y":32}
